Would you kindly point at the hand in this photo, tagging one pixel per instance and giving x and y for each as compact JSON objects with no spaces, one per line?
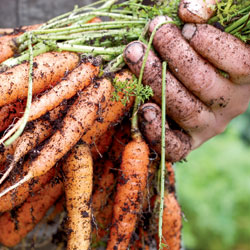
{"x":198,"y":97}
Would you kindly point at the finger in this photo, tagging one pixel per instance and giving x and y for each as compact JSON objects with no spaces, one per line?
{"x":223,"y":50}
{"x":196,"y":11}
{"x":184,"y":108}
{"x":177,"y":143}
{"x":200,"y":77}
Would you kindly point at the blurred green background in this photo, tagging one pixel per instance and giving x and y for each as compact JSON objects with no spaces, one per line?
{"x":214,"y":191}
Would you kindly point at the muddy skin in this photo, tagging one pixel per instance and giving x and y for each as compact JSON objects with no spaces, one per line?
{"x":177,"y":143}
{"x":183,"y":107}
{"x":197,"y":74}
{"x":208,"y":42}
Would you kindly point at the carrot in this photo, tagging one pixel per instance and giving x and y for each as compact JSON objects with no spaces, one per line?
{"x":102,"y":202}
{"x":79,"y":78}
{"x":6,"y":31}
{"x":102,"y":145}
{"x":112,"y":114}
{"x":78,"y":171}
{"x":80,"y":117}
{"x":142,"y":242}
{"x":17,"y":223}
{"x":171,"y":177}
{"x":18,"y":196}
{"x":6,"y":47}
{"x":95,"y":20}
{"x":10,"y":112}
{"x":135,"y":159}
{"x":7,"y":44}
{"x":103,"y":221}
{"x":42,"y":129}
{"x":49,"y":68}
{"x":171,"y":227}
{"x":103,"y":190}
{"x":58,"y":208}
{"x":121,"y":138}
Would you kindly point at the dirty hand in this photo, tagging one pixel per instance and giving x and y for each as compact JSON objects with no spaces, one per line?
{"x":199,"y":98}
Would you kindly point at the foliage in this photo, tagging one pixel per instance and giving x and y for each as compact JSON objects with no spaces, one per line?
{"x":131,"y":88}
{"x":233,"y":17}
{"x":214,"y":190}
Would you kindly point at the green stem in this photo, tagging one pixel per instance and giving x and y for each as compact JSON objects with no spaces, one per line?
{"x":91,"y":35}
{"x":162,"y":167}
{"x":29,"y":98}
{"x":90,"y":49}
{"x":83,"y":18}
{"x":71,"y":19}
{"x":115,"y":64}
{"x":89,"y":27}
{"x":84,"y":8}
{"x":38,"y":49}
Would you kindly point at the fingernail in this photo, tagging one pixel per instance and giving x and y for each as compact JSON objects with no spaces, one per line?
{"x":189,"y":30}
{"x":134,"y":52}
{"x":149,"y":111}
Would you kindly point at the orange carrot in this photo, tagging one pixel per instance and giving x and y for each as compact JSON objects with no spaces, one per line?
{"x":104,"y":187}
{"x":103,"y":221}
{"x":49,"y":68}
{"x":7,"y":44}
{"x":41,"y":130}
{"x":18,"y":196}
{"x":77,"y":80}
{"x":143,"y":241}
{"x":10,"y":112}
{"x":78,"y":172}
{"x":171,"y":177}
{"x":121,"y":138}
{"x":102,"y":144}
{"x":6,"y":31}
{"x":112,"y":114}
{"x":15,"y":228}
{"x":102,"y":200}
{"x":130,"y":188}
{"x":171,"y":227}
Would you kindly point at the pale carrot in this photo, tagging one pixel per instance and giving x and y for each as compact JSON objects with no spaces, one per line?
{"x":78,"y":172}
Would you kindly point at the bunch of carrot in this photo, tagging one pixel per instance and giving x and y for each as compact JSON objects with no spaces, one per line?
{"x":73,"y":123}
{"x":74,"y":136}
